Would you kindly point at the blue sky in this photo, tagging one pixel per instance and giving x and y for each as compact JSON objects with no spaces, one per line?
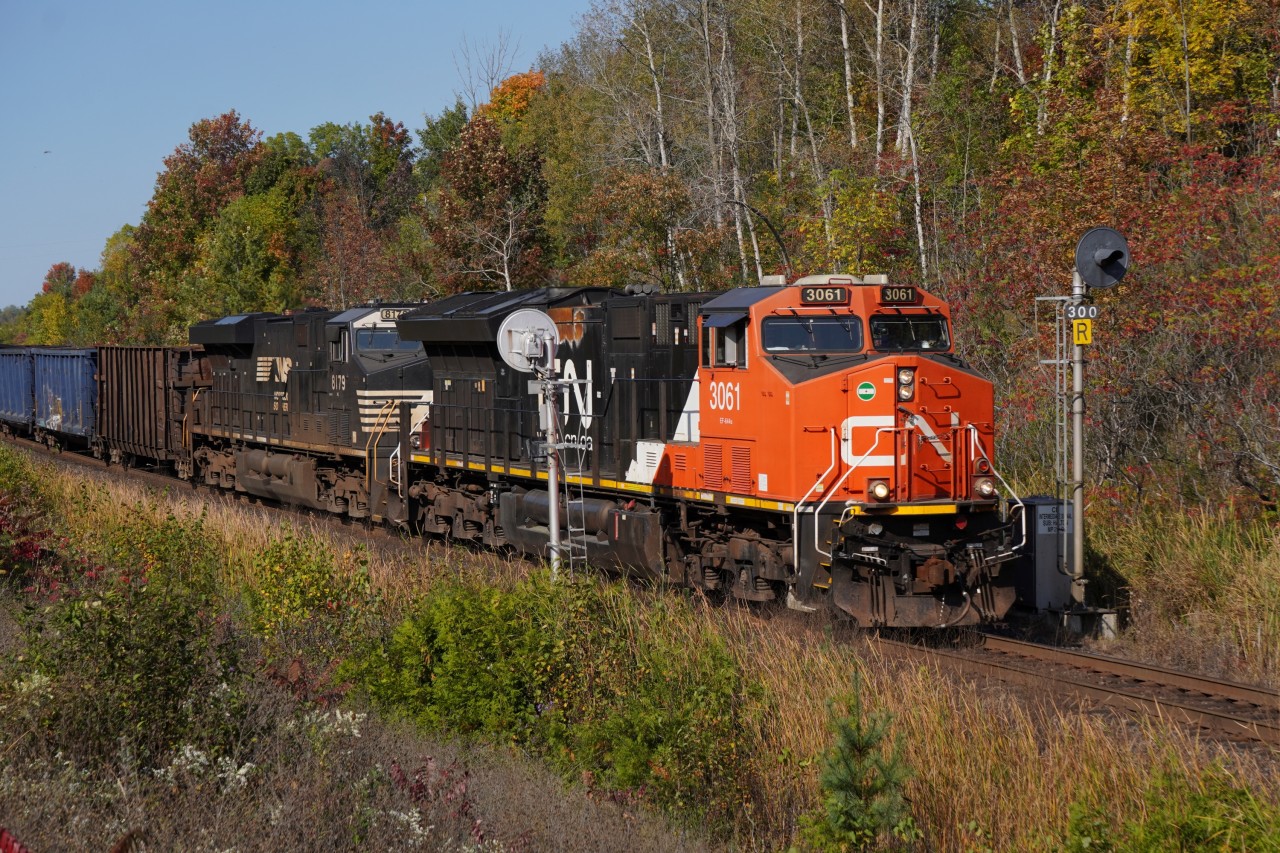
{"x":94,"y":95}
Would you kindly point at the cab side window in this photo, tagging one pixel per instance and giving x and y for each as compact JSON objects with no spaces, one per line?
{"x":724,"y":345}
{"x":338,"y":349}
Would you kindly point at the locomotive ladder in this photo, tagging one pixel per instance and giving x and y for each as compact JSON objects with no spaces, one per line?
{"x":575,"y":525}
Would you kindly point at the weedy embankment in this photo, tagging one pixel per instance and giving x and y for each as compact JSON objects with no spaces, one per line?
{"x":1201,"y":588}
{"x":215,"y":676}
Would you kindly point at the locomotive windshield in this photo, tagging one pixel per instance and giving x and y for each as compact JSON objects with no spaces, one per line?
{"x":909,"y":333}
{"x":813,"y":334}
{"x":383,"y":340}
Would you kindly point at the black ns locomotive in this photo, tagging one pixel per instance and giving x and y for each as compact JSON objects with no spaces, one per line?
{"x":309,"y":408}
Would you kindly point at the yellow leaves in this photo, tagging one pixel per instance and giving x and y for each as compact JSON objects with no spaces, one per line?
{"x":866,"y":227}
{"x":1182,"y":57}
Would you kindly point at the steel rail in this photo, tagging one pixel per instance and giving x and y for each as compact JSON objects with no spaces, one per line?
{"x":1261,"y":697}
{"x":1011,"y":661}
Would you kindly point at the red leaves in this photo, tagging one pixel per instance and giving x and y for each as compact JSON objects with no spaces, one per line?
{"x":59,"y":279}
{"x":488,"y":228}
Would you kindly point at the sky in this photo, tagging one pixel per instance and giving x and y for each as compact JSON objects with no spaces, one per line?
{"x":94,"y":95}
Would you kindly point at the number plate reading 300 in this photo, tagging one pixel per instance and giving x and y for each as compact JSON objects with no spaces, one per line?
{"x":895,"y":294}
{"x":824,"y":296}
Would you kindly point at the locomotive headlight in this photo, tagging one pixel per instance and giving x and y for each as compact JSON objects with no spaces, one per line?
{"x":906,"y":383}
{"x":984,"y":487}
{"x":878,"y":489}
{"x":415,"y":440}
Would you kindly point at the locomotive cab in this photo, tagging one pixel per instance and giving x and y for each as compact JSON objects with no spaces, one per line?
{"x":376,"y":379}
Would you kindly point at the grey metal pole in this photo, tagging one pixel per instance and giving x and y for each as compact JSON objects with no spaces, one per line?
{"x":1077,"y":453}
{"x":553,"y":471}
{"x":553,"y":487}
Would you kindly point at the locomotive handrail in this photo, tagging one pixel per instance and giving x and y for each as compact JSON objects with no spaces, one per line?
{"x":795,"y":513}
{"x":371,"y":444}
{"x":975,"y":445}
{"x":818,"y":510}
{"x":395,"y":454}
{"x":187,"y":443}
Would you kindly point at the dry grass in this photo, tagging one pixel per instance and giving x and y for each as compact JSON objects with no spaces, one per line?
{"x":398,"y":567}
{"x":993,"y":767}
{"x":324,"y":781}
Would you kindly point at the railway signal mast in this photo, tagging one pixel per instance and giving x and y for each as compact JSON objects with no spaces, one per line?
{"x":527,"y":342}
{"x":1101,"y":261}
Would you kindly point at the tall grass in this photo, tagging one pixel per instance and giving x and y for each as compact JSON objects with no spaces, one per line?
{"x":990,"y":762}
{"x":166,"y":678}
{"x":1202,"y":588}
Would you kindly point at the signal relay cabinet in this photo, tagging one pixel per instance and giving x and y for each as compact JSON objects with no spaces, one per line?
{"x":309,"y":408}
{"x":1041,"y":583}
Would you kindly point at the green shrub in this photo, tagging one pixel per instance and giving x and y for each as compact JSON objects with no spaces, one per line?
{"x":19,"y":479}
{"x":24,"y":525}
{"x":150,"y":545}
{"x":1209,"y":812}
{"x":126,"y":669}
{"x":123,"y":655}
{"x":303,"y":603}
{"x":569,"y":670}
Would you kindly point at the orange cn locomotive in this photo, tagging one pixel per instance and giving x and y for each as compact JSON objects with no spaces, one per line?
{"x":818,"y":443}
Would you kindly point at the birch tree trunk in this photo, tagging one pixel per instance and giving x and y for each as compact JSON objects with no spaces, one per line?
{"x":664,"y":161}
{"x":701,"y":15}
{"x":730,"y":130}
{"x":919,"y":213}
{"x":658,"y":110}
{"x":848,"y":74}
{"x":1042,"y":109}
{"x":1017,"y":48}
{"x":877,"y":62}
{"x":909,"y":80}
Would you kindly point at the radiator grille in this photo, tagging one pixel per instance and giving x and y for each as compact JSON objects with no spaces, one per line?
{"x":662,"y":320}
{"x":741,"y":459}
{"x":713,"y":466}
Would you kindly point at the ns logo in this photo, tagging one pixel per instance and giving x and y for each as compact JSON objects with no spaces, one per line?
{"x":274,"y":368}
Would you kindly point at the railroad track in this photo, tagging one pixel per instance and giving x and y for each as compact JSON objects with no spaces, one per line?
{"x":1223,"y":709}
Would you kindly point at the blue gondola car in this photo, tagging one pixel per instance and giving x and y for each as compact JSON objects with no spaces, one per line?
{"x":17,"y":405}
{"x":66,"y":395}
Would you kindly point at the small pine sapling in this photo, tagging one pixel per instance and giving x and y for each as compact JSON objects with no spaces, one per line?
{"x":863,"y":780}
